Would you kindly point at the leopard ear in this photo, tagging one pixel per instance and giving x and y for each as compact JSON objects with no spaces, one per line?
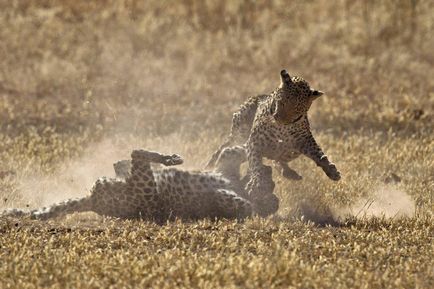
{"x":314,"y":94}
{"x":285,"y":79}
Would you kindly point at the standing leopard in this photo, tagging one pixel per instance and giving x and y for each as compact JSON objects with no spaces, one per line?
{"x":276,"y":126}
{"x":140,"y":192}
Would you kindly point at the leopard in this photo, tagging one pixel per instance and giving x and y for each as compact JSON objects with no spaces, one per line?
{"x":276,"y":126}
{"x":228,"y":166}
{"x":142,"y":191}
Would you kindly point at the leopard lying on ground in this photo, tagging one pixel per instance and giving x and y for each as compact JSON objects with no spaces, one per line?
{"x":139,"y":192}
{"x":276,"y":126}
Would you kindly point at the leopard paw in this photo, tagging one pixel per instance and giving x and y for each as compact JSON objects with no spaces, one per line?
{"x":172,"y":160}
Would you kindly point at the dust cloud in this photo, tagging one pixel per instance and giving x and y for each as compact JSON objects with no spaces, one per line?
{"x":76,"y":177}
{"x":73,"y":179}
{"x":387,"y":201}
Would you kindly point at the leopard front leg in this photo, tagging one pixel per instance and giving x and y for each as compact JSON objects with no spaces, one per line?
{"x":254,"y":159}
{"x":266,"y":205}
{"x":260,"y":192}
{"x":260,"y":186}
{"x":312,"y":150}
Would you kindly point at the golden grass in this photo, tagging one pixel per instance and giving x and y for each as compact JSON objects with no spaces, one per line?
{"x":81,"y":84}
{"x":256,"y":254}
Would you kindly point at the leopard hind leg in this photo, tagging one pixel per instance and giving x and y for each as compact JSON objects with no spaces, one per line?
{"x":242,"y":122}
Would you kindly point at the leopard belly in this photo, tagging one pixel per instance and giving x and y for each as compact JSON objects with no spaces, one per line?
{"x":284,"y":149}
{"x":188,"y":194}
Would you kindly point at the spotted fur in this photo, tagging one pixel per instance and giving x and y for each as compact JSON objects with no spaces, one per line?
{"x":138,"y":191}
{"x":276,"y":126}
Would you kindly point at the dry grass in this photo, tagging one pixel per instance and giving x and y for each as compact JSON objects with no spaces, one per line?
{"x":256,"y":254}
{"x":81,"y":84}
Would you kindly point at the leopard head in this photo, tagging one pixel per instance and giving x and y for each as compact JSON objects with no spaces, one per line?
{"x":292,"y":99}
